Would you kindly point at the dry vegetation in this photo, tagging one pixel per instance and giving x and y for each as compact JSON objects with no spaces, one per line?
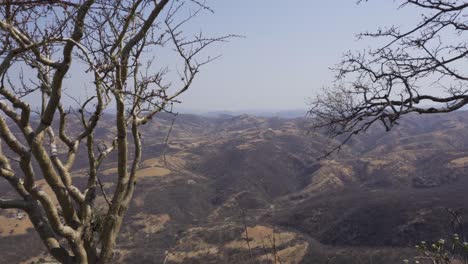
{"x":459,"y":162}
{"x":261,"y":237}
{"x":11,"y":225}
{"x":264,"y":244}
{"x":195,"y":211}
{"x":151,"y":223}
{"x":153,"y":172}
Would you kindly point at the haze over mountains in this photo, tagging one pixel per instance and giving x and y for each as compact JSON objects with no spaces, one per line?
{"x":221,"y":175}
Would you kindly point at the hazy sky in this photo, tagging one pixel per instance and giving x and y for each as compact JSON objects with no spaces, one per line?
{"x":287,"y":51}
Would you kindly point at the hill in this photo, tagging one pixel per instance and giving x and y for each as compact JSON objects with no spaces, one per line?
{"x":216,"y":180}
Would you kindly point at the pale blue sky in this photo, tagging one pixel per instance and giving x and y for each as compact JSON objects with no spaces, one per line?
{"x":287,"y":52}
{"x":284,"y":58}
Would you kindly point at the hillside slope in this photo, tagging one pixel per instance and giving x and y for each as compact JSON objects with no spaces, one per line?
{"x":218,"y":177}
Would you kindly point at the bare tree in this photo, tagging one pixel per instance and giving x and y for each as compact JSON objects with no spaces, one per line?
{"x":110,"y":40}
{"x":421,"y":69}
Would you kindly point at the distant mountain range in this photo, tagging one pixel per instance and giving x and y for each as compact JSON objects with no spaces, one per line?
{"x":291,"y":113}
{"x":260,"y":113}
{"x":222,"y":174}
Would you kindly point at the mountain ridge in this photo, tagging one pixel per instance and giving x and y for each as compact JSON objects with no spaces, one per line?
{"x":377,"y":197}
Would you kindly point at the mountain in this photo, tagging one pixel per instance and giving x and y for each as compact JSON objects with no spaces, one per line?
{"x":222,"y":178}
{"x":259,"y":113}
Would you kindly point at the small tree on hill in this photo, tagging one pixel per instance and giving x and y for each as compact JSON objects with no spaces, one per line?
{"x":105,"y":44}
{"x":422,"y":69}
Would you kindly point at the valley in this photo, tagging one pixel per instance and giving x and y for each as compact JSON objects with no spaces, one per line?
{"x":214,"y":181}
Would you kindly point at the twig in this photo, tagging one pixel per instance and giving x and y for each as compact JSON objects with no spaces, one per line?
{"x":247,"y":240}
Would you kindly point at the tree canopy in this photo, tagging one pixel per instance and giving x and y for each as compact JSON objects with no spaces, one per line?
{"x":113,"y":47}
{"x":420,"y":69}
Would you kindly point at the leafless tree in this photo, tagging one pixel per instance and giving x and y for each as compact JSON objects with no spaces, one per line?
{"x":111,"y":40}
{"x":421,"y":69}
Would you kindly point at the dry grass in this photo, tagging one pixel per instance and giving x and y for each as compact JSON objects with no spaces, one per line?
{"x":197,"y":248}
{"x":152,"y":162}
{"x":331,"y":175}
{"x":43,"y":258}
{"x":262,"y":236}
{"x":146,"y":172}
{"x":109,"y":171}
{"x":138,"y":201}
{"x":14,"y":226}
{"x":291,"y":255}
{"x":375,"y":164}
{"x":245,"y":146}
{"x":232,"y":202}
{"x":153,"y":172}
{"x":169,"y":160}
{"x":287,"y":246}
{"x":179,"y":257}
{"x":459,"y":163}
{"x":107,"y":185}
{"x":151,"y":223}
{"x":80,"y":173}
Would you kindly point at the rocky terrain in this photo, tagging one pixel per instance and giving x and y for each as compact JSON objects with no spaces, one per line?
{"x":246,"y":189}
